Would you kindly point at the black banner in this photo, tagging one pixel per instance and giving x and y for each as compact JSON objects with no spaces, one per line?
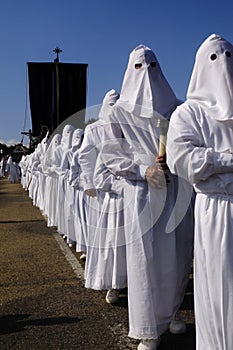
{"x":56,"y":91}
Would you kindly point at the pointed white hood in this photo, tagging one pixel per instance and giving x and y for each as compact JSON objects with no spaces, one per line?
{"x":109,"y":100}
{"x":145,"y":89}
{"x":66,"y":140}
{"x":76,"y":139}
{"x":211,"y":83}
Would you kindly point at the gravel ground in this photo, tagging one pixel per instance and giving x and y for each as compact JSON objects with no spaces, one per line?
{"x":43,"y":301}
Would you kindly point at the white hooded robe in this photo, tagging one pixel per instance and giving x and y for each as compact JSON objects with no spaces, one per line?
{"x":200,"y":149}
{"x":158,"y":259}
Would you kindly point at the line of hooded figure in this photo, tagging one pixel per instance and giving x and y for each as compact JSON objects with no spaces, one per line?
{"x":109,"y":191}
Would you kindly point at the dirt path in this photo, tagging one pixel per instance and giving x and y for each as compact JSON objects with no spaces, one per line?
{"x":43,"y":302}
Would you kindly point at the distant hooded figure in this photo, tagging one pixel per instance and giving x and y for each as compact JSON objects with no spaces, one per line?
{"x":66,"y":209}
{"x":65,"y":145}
{"x":200,"y":149}
{"x":37,"y":183}
{"x":13,"y":170}
{"x":55,"y":172}
{"x":105,"y":267}
{"x":44,"y":146}
{"x":23,"y":169}
{"x":158,"y":259}
{"x":34,"y":183}
{"x":50,"y":187}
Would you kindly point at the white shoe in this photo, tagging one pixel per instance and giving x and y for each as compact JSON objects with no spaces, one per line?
{"x":149,"y":344}
{"x":177,"y":325}
{"x":112,"y":296}
{"x":83,"y":256}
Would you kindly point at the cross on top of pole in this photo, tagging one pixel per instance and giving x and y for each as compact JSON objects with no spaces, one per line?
{"x":57,"y":50}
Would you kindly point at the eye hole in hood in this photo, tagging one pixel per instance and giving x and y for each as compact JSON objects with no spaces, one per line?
{"x":153,"y":64}
{"x":138,"y":65}
{"x":213,"y":57}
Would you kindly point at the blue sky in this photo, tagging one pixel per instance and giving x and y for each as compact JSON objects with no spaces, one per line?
{"x":102,"y":34}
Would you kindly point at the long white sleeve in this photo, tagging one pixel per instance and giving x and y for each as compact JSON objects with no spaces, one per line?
{"x":192,"y":156}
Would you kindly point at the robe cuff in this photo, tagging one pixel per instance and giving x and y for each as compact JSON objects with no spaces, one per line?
{"x":223,"y":162}
{"x":88,"y":186}
{"x":142,"y":171}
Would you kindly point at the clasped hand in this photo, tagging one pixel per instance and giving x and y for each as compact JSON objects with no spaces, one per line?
{"x":91,"y":192}
{"x":156,"y":175}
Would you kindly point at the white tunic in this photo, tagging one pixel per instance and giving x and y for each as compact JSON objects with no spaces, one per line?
{"x":66,"y":219}
{"x":158,"y":263}
{"x":79,"y":204}
{"x":58,"y":179}
{"x":106,"y":260}
{"x":41,"y":176}
{"x":201,"y":149}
